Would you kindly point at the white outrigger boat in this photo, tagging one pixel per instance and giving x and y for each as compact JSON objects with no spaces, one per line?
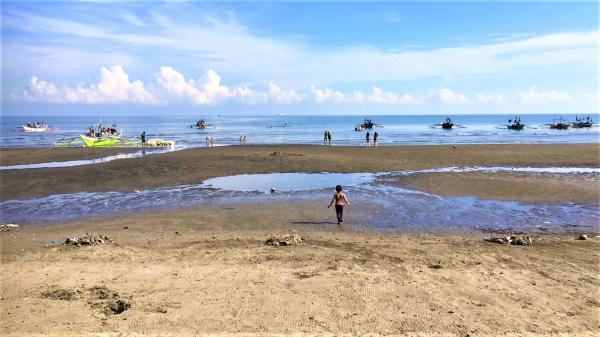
{"x":37,"y":127}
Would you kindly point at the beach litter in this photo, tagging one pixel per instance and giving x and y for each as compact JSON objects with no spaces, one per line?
{"x":8,"y":227}
{"x":88,"y":240}
{"x":582,"y":237}
{"x":518,"y":240}
{"x":284,"y":240}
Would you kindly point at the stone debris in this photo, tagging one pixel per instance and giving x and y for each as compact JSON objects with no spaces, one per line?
{"x":88,"y":240}
{"x":115,"y":307}
{"x":284,"y":240}
{"x":8,"y":226}
{"x":98,"y":297}
{"x":582,"y":237}
{"x":518,"y":240}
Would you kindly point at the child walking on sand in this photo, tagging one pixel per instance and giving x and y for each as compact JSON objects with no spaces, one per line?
{"x":340,"y":199}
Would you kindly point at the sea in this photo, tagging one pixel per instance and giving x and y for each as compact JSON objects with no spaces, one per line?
{"x":308,"y":129}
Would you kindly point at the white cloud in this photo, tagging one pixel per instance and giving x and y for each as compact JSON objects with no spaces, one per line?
{"x":229,"y":45}
{"x":380,"y":96}
{"x":279,"y":95}
{"x":114,"y":87}
{"x":533,"y":96}
{"x":491,"y":98}
{"x":326,"y":95}
{"x":207,"y":90}
{"x":448,"y":96}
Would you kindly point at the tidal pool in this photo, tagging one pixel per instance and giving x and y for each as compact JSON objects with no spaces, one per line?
{"x":376,"y":203}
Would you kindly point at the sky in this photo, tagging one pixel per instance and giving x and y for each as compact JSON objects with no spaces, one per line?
{"x":185,"y":58}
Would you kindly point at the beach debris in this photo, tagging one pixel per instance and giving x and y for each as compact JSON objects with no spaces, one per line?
{"x":88,"y":240}
{"x":5,"y":227}
{"x":110,"y":302}
{"x":60,"y":294}
{"x":436,"y":265}
{"x":582,"y":237}
{"x":116,"y":307}
{"x":518,"y":240}
{"x":157,"y":142}
{"x":284,"y":240}
{"x":273,"y":190}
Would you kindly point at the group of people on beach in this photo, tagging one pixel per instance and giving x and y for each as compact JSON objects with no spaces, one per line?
{"x":210,"y":141}
{"x":242,"y":139}
{"x":375,"y":138}
{"x":327,"y":138}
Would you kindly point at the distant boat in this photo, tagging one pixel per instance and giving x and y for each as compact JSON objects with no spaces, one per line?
{"x":201,"y":124}
{"x":447,"y":124}
{"x":561,"y":124}
{"x":36,"y":127}
{"x":583,"y":122}
{"x":515,"y":124}
{"x":367,"y":124}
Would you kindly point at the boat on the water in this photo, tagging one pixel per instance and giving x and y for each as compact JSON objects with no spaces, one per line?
{"x":515,"y":124}
{"x":367,"y":124}
{"x":561,"y":124}
{"x":447,"y":124}
{"x":201,"y":124}
{"x":583,"y":122}
{"x":36,"y":127}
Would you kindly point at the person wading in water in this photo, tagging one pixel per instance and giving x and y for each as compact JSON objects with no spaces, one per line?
{"x":340,"y":199}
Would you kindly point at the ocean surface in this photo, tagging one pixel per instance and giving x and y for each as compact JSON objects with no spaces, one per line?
{"x":227,"y":129}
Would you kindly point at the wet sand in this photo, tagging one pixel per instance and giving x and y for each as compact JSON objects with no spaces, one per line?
{"x":32,"y":155}
{"x":207,"y":272}
{"x":530,"y":188}
{"x":195,"y":165}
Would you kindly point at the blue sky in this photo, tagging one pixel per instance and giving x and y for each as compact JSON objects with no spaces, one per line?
{"x":282,"y":57}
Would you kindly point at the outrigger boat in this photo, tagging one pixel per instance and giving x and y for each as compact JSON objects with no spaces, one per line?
{"x":201,"y":124}
{"x":583,"y":122}
{"x":560,"y":125}
{"x":102,"y":136}
{"x":366,"y":124}
{"x":447,"y":124}
{"x":515,"y":124}
{"x":37,"y":127}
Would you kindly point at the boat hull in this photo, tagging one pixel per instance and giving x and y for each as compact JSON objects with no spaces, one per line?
{"x":40,"y":129}
{"x":99,"y":142}
{"x":516,"y":127}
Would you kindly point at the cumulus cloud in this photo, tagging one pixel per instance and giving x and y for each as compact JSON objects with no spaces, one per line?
{"x":491,"y":98}
{"x":378,"y":95}
{"x":114,"y":87}
{"x":326,"y":95}
{"x":533,"y":96}
{"x":448,"y":96}
{"x":279,"y":95}
{"x":207,"y":90}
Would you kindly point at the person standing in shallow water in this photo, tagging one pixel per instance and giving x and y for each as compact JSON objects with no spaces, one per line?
{"x":375,"y":138}
{"x":368,"y":137}
{"x":339,"y":198}
{"x":325,"y":137}
{"x":329,"y":138}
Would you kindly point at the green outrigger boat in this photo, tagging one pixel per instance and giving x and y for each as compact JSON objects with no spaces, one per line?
{"x":100,"y":141}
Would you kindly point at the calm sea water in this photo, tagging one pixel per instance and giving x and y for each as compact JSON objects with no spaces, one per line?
{"x":226,"y":130}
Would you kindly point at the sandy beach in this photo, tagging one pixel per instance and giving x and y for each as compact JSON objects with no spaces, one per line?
{"x":207,"y":270}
